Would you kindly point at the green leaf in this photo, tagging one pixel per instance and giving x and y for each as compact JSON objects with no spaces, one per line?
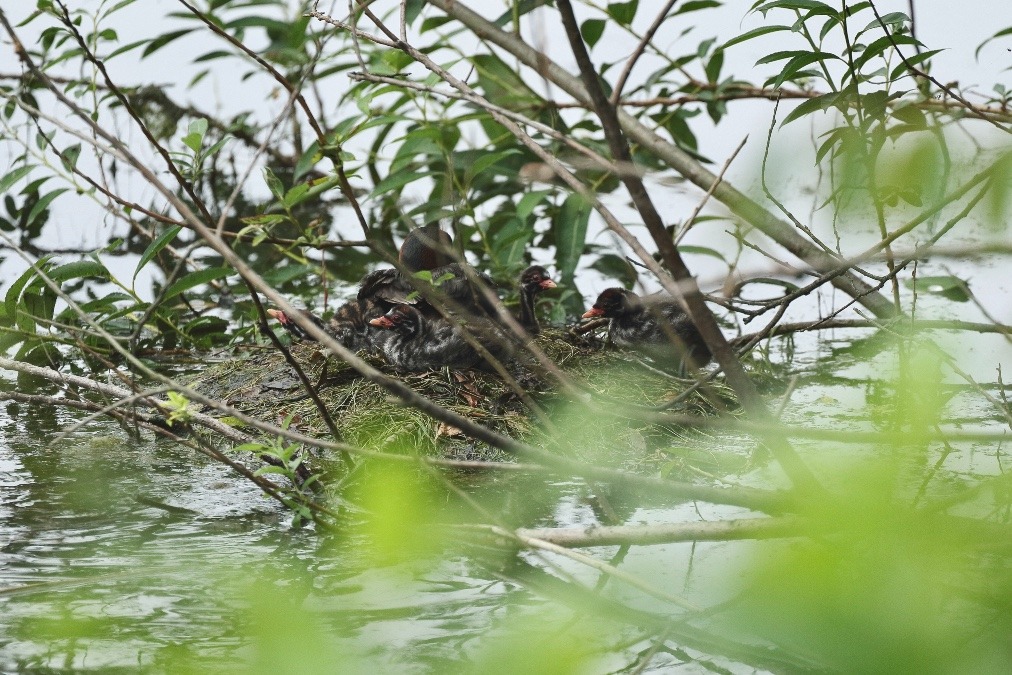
{"x":910,"y":115}
{"x":790,"y":4}
{"x":423,"y":141}
{"x":213,"y":55}
{"x":530,"y":201}
{"x":195,"y":138}
{"x":827,"y":27}
{"x":43,"y":203}
{"x":516,"y":10}
{"x":39,"y":302}
{"x":126,"y":48}
{"x":43,"y":139}
{"x":488,"y":160}
{"x":695,"y":6}
{"x":879,"y":46}
{"x":265,"y":219}
{"x":163,"y":40}
{"x":754,"y":33}
{"x":299,"y":193}
{"x":437,"y":21}
{"x":570,"y":228}
{"x":623,"y":12}
{"x":913,"y":60}
{"x":952,"y":288}
{"x":675,"y":123}
{"x":274,"y":183}
{"x":1001,"y":33}
{"x":702,"y":250}
{"x":511,"y":242}
{"x":156,"y":246}
{"x":15,"y":289}
{"x":503,"y":86}
{"x":811,"y":105}
{"x":250,"y":447}
{"x":196,"y":279}
{"x":874,"y":102}
{"x":79,"y":270}
{"x":834,"y":138}
{"x":591,"y":30}
{"x":192,"y":141}
{"x":897,"y":19}
{"x":105,"y":305}
{"x":218,"y":145}
{"x":9,"y":338}
{"x":615,"y":267}
{"x":268,"y":24}
{"x":310,"y":157}
{"x":13,"y":177}
{"x":793,"y":54}
{"x":390,"y":62}
{"x":412,"y":10}
{"x":277,"y":276}
{"x":398,"y":180}
{"x":795,"y":66}
{"x":69,"y":156}
{"x":714,"y":65}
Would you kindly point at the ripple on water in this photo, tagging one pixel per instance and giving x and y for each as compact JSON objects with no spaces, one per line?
{"x":95,"y":575}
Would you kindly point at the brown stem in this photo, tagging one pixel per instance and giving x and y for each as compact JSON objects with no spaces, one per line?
{"x":616,"y":94}
{"x":705,"y":322}
{"x":329,"y":147}
{"x":677,"y":159}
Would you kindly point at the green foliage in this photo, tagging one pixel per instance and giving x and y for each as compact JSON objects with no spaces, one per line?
{"x":422,"y":169}
{"x":177,"y":408}
{"x":870,"y":582}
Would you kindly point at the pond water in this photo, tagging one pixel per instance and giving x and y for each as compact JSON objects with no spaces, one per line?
{"x":125,"y":554}
{"x":119,"y":553}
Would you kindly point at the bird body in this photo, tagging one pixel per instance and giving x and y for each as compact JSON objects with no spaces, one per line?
{"x":349,"y":325}
{"x":461,"y":287}
{"x":389,"y":315}
{"x":654,"y":325}
{"x":424,"y":248}
{"x":418,"y":343}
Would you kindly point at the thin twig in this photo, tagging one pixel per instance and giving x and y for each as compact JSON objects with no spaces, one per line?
{"x":690,"y":221}
{"x":927,"y":76}
{"x":616,"y":94}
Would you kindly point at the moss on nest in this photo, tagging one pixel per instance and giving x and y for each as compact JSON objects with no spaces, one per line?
{"x":260,"y":383}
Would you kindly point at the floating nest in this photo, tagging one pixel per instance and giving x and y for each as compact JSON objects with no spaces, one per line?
{"x":588,"y":423}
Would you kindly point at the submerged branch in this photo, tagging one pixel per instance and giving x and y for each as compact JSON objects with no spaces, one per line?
{"x":669,"y":533}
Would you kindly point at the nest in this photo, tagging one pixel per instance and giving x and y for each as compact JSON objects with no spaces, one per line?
{"x":260,"y":383}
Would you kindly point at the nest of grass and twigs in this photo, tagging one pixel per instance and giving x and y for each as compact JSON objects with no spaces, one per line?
{"x":593,"y":425}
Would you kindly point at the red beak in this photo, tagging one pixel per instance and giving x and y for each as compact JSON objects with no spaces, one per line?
{"x":546,"y":284}
{"x":382,"y":322}
{"x":593,"y":312}
{"x":279,"y":315}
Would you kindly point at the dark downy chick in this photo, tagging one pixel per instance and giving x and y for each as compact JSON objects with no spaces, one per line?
{"x":419,"y":343}
{"x":655,"y":326}
{"x":533,"y":281}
